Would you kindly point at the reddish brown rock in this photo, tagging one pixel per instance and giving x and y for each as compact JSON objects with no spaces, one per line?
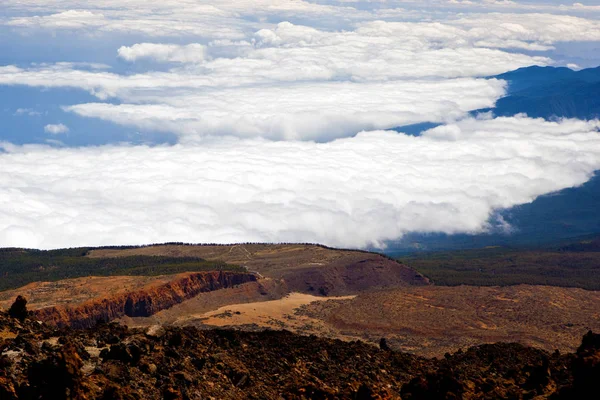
{"x":141,"y":303}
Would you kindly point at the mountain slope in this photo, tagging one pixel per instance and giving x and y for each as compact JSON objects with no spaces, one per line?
{"x":547,"y":92}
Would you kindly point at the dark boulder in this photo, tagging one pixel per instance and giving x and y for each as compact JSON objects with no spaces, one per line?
{"x":18,"y":309}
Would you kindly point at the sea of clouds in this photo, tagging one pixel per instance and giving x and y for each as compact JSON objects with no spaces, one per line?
{"x":282,"y":111}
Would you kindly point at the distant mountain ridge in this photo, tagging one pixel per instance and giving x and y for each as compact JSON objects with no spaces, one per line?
{"x":528,"y":77}
{"x":540,"y":92}
{"x":548,"y":92}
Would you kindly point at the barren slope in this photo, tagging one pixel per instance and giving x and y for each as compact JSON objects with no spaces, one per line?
{"x":393,"y":301}
{"x":433,"y":320}
{"x":310,"y":269}
{"x":428,"y":321}
{"x":280,"y":268}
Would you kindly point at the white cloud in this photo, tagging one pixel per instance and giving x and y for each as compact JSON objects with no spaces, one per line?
{"x":316,"y":111}
{"x":380,"y":51}
{"x":138,"y":19}
{"x":295,"y":82}
{"x":232,"y":19}
{"x":56,"y":129}
{"x":541,"y":29}
{"x":241,"y":69}
{"x":224,"y":19}
{"x":349,"y":192}
{"x":269,"y":83}
{"x":27,"y":111}
{"x":192,"y":53}
{"x":375,"y":51}
{"x":70,"y":19}
{"x":585,"y":7}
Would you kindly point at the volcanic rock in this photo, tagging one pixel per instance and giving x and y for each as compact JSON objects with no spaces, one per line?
{"x":19,"y":308}
{"x":187,"y":363}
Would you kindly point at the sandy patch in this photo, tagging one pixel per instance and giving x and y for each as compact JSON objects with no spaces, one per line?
{"x":269,"y":314}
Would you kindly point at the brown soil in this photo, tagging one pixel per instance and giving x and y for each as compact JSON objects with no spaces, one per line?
{"x":266,"y":258}
{"x":431,"y":321}
{"x":305,"y":268}
{"x":251,"y":292}
{"x":275,"y":314}
{"x":427,"y":321}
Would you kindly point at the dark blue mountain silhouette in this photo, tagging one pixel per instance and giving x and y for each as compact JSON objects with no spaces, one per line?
{"x":546,"y":92}
{"x":541,"y":92}
{"x":524,"y":78}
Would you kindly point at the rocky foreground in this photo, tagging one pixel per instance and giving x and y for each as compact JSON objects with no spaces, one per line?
{"x":112,"y":362}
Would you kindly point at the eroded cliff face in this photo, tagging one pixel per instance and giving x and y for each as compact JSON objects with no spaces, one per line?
{"x":143,"y":302}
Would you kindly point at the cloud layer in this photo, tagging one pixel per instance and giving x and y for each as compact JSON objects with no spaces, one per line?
{"x":317,"y":111}
{"x":233,"y":20}
{"x":294,"y":82}
{"x":261,"y":76}
{"x":266,"y":97}
{"x":350,"y":192}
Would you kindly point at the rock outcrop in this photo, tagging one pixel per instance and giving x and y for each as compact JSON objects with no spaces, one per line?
{"x":585,"y":370}
{"x":19,"y":308}
{"x":143,"y":302}
{"x":112,"y":362}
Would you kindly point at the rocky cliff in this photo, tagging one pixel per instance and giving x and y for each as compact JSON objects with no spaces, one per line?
{"x":143,"y":302}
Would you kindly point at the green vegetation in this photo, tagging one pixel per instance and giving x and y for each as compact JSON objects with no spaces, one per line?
{"x":19,"y":267}
{"x":499,"y":266}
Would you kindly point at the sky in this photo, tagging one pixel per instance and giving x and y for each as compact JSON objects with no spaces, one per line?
{"x":142,"y":121}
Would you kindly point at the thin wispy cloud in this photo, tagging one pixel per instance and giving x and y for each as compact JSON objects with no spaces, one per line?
{"x":28,"y":112}
{"x":56,"y":129}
